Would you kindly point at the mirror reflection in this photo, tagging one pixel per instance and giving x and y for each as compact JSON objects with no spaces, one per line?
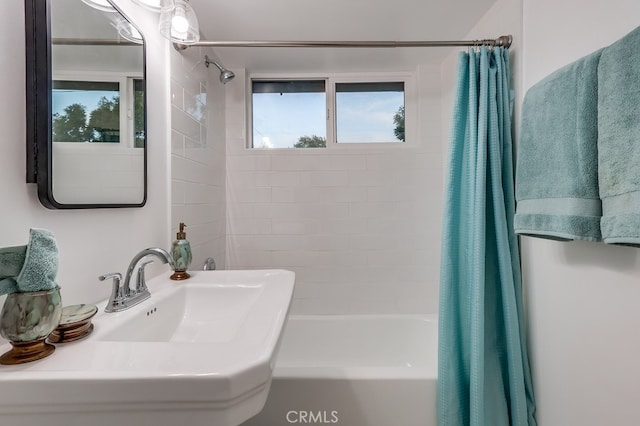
{"x":97,"y":106}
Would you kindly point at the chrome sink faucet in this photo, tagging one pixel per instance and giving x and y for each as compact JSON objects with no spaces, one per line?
{"x":123,"y":296}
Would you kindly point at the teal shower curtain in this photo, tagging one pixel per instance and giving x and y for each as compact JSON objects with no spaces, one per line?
{"x":483,"y":369}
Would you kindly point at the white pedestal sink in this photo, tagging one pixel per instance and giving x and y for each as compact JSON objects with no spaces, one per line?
{"x":198,"y":352}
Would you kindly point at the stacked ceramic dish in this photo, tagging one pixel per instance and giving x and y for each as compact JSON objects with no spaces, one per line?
{"x":75,"y":323}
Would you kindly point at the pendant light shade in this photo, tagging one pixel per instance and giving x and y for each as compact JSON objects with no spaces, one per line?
{"x":180,"y":25}
{"x":158,"y":6}
{"x":102,"y":5}
{"x":127,"y":31}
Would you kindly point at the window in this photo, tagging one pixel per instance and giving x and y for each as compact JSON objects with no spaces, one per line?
{"x":370,"y":112}
{"x":109,"y":110}
{"x":329,"y":111}
{"x":139,"y":130}
{"x":86,"y":111}
{"x":289,"y":114}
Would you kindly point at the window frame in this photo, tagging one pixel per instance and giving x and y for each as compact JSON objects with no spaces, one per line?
{"x":330,"y":79}
{"x":126,"y":82}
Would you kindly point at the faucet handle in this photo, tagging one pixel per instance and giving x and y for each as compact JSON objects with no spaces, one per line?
{"x":209,"y":264}
{"x":141,"y":284}
{"x":116,"y":292}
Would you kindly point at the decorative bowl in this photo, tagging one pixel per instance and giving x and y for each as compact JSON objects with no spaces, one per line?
{"x":26,"y":320}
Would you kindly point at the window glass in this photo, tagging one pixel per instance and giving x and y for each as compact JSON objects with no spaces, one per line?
{"x":86,"y":111}
{"x":289,"y":114}
{"x":370,"y":112}
{"x":138,"y":113}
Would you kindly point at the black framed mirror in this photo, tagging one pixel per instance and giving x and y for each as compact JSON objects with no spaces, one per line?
{"x":86,"y":105}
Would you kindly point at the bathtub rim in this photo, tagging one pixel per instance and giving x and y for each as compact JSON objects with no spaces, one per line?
{"x":395,"y":372}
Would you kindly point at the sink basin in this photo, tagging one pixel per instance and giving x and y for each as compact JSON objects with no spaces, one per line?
{"x":198,"y":352}
{"x":192,"y":313}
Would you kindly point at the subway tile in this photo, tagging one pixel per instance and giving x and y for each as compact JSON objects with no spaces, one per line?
{"x":289,"y":258}
{"x":177,"y":192}
{"x":196,"y":109}
{"x":182,"y":123}
{"x":405,"y":161}
{"x":286,"y":178}
{"x":402,"y":257}
{"x":394,"y":193}
{"x":329,"y":194}
{"x":177,"y":98}
{"x":248,"y":163}
{"x":318,"y":211}
{"x":204,"y":139}
{"x":396,"y":225}
{"x":369,"y":178}
{"x":235,"y":144}
{"x":324,"y":178}
{"x":197,"y":193}
{"x":190,"y":171}
{"x":418,"y":298}
{"x":249,"y":226}
{"x":307,"y":290}
{"x":295,"y":227}
{"x":283,"y":195}
{"x":253,"y":259}
{"x":293,"y":161}
{"x":372,"y":210}
{"x":342,"y":226}
{"x":240,"y":210}
{"x":278,"y":242}
{"x":177,"y":143}
{"x":343,"y":162}
{"x":177,"y":212}
{"x":263,"y":210}
{"x":194,"y":148}
{"x":198,"y":153}
{"x":251,"y":195}
{"x":248,"y":179}
{"x":328,"y":242}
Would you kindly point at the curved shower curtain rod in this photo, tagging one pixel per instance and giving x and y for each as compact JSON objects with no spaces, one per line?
{"x":503,"y":41}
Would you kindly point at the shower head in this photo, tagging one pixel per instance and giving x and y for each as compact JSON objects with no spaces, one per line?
{"x":225,"y":74}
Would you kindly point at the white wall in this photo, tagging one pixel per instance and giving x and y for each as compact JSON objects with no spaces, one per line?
{"x":583,"y":298}
{"x":91,"y":242}
{"x":360,"y":227}
{"x":198,"y":154}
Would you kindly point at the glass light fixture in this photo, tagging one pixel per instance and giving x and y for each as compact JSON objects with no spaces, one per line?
{"x":127,"y":30}
{"x":158,"y":6}
{"x":102,"y":5}
{"x":180,"y":25}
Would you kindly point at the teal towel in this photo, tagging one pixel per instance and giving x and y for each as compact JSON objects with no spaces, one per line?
{"x":41,"y":262}
{"x":557,"y":169}
{"x":8,"y":285}
{"x":11,"y":260}
{"x":619,"y":140}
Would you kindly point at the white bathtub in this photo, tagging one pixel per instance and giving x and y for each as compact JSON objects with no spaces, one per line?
{"x":354,"y":370}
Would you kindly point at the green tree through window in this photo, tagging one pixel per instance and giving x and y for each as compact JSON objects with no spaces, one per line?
{"x":70,"y":126}
{"x":311,"y":142}
{"x":86,"y":111}
{"x":104,"y":121}
{"x":398,"y":120}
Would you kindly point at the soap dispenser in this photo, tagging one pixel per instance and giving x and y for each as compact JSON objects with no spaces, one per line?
{"x":181,"y":253}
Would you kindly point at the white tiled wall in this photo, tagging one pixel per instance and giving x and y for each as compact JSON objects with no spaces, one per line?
{"x":360,"y":227}
{"x":198,"y":155}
